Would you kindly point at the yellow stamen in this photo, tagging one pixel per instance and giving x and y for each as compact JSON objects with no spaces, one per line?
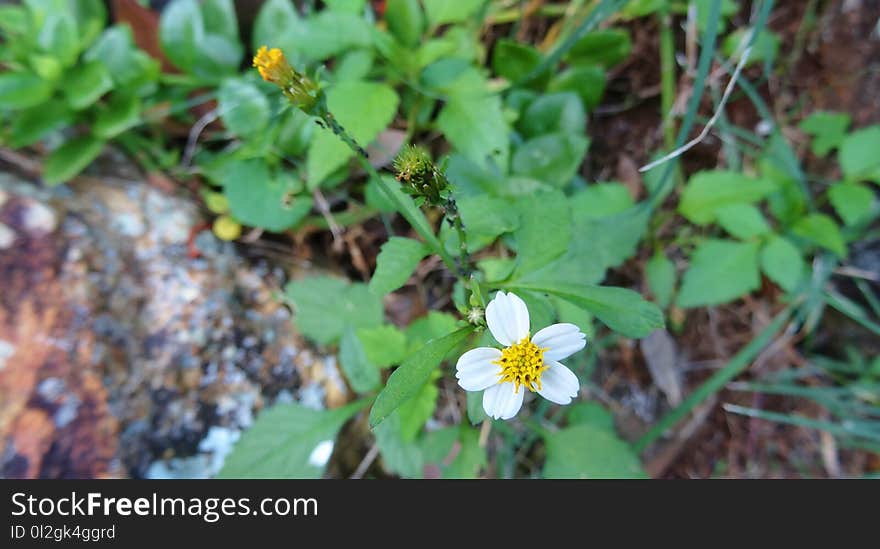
{"x":522,"y":363}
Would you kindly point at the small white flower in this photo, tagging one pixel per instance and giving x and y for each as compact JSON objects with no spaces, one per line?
{"x":529,"y":362}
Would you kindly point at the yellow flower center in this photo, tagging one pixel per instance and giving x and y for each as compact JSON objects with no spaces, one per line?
{"x":522,"y":363}
{"x":273,"y":66}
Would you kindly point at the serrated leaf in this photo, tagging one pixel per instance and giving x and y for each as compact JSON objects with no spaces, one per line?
{"x":364,"y":109}
{"x":404,"y":458}
{"x":325,"y":306}
{"x":413,"y":373}
{"x":544,"y":229}
{"x":708,"y":191}
{"x":858,"y":154}
{"x":431,"y":326}
{"x":396,"y":262}
{"x":417,"y":410}
{"x":476,"y":127}
{"x":781,"y":261}
{"x":828,"y":130}
{"x":470,"y":459}
{"x":853,"y":202}
{"x":742,"y":220}
{"x":821,"y":230}
{"x":601,"y":200}
{"x":362,"y":375}
{"x":720,"y":271}
{"x":384,"y":345}
{"x":586,"y":450}
{"x":280,"y":442}
{"x":69,"y":159}
{"x":621,"y":309}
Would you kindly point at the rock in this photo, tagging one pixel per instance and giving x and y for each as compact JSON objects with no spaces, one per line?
{"x":130,"y":341}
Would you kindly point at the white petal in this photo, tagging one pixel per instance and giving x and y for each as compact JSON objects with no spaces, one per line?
{"x":475,"y":370}
{"x":502,"y":401}
{"x":559,"y":384}
{"x":561,"y":341}
{"x":508,"y":318}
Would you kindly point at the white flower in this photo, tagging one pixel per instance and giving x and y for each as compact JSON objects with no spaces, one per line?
{"x":525,"y":362}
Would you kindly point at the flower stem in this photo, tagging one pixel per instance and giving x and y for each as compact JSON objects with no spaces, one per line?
{"x":454,"y":217}
{"x":411,"y":213}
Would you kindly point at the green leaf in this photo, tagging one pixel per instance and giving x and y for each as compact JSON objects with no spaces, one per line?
{"x":331,"y":33}
{"x":720,"y":271}
{"x":405,"y":21}
{"x":413,"y":373}
{"x":604,"y":48}
{"x":278,"y":25}
{"x":588,"y":450}
{"x":556,"y":112}
{"x":828,"y":130}
{"x":30,"y":125}
{"x":475,"y":411}
{"x":622,"y":310}
{"x":416,"y":411}
{"x":444,"y":11}
{"x":821,"y":230}
{"x":364,"y":109}
{"x":181,"y":30}
{"x":544,"y":231}
{"x":87,"y":84}
{"x":661,"y":278}
{"x":596,"y":245}
{"x":91,"y":18}
{"x":781,"y":261}
{"x":590,"y":413}
{"x":121,"y":113}
{"x":431,"y":326}
{"x":742,"y":220}
{"x":281,"y":441}
{"x":69,"y":159}
{"x":858,"y":154}
{"x":397,"y":260}
{"x":243,"y":107}
{"x":220,"y":18}
{"x":853,"y":202}
{"x":325,"y":306}
{"x":553,"y":158}
{"x":20,"y":90}
{"x":362,"y":375}
{"x":476,"y":127}
{"x":384,"y":345}
{"x":57,"y":36}
{"x":485,"y":218}
{"x":764,"y":48}
{"x":404,"y":458}
{"x":470,"y":459}
{"x":259,"y":199}
{"x":601,"y":200}
{"x":587,"y":82}
{"x":513,"y":60}
{"x":708,"y":191}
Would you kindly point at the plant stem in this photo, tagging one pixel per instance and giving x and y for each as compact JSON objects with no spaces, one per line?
{"x":412,"y":214}
{"x":454,"y":217}
{"x":667,"y":75}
